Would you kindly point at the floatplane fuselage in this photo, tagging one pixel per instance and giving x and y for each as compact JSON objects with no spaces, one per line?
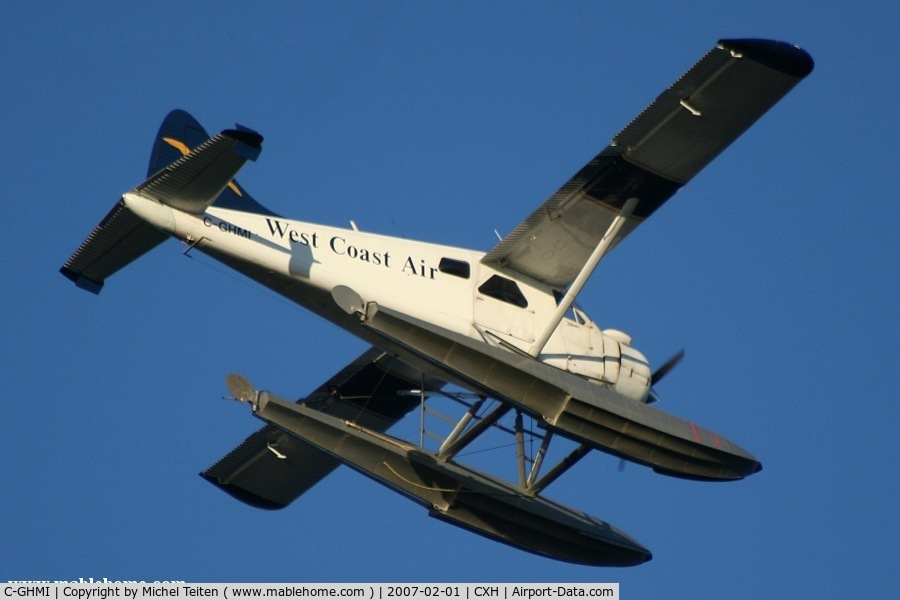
{"x":424,"y":281}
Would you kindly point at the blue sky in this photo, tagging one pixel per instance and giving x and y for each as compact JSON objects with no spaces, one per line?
{"x":776,"y":269}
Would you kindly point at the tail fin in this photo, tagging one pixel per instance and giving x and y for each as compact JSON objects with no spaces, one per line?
{"x":122,"y":236}
{"x":178,"y":135}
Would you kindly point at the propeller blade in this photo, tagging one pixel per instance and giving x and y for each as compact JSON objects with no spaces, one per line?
{"x":666,"y":367}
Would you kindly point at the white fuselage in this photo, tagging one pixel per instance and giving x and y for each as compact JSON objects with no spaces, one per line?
{"x":445,"y":286}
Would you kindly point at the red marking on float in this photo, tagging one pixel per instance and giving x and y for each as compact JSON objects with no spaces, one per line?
{"x":696,"y":433}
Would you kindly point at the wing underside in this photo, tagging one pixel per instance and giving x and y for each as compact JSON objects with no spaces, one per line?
{"x":271,"y":469}
{"x":684,"y":129}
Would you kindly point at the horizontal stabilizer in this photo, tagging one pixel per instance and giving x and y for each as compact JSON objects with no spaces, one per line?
{"x":194,"y":181}
{"x":271,"y":469}
{"x":187,"y":179}
{"x":178,"y":135}
{"x":120,"y":238}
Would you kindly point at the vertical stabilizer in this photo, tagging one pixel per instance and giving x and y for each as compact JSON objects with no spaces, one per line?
{"x":178,"y":135}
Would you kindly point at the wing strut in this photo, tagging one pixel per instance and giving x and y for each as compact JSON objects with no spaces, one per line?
{"x":532,"y":485}
{"x":452,"y":444}
{"x":588,"y":268}
{"x":535,"y":487}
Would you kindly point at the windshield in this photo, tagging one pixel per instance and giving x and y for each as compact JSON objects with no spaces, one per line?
{"x":578,"y":315}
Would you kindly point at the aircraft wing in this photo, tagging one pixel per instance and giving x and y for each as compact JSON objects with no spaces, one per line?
{"x":271,"y":469}
{"x":668,"y":143}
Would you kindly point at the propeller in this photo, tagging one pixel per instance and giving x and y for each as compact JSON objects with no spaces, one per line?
{"x":667,"y":366}
{"x":661,"y":372}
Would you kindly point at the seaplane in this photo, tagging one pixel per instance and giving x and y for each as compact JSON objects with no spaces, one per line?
{"x":501,"y":327}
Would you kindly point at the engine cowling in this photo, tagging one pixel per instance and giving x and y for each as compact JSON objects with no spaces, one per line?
{"x":606,"y":357}
{"x":634,"y":374}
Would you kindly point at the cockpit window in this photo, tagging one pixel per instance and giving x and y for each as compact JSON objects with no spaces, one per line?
{"x":505,"y":290}
{"x":457,"y":268}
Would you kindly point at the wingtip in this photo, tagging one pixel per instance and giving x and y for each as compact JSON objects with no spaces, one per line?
{"x":94,"y":287}
{"x":246,"y":136}
{"x":787,"y":58}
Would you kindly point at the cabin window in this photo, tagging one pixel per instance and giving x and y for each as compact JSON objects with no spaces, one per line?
{"x":457,"y":268}
{"x":505,"y":290}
